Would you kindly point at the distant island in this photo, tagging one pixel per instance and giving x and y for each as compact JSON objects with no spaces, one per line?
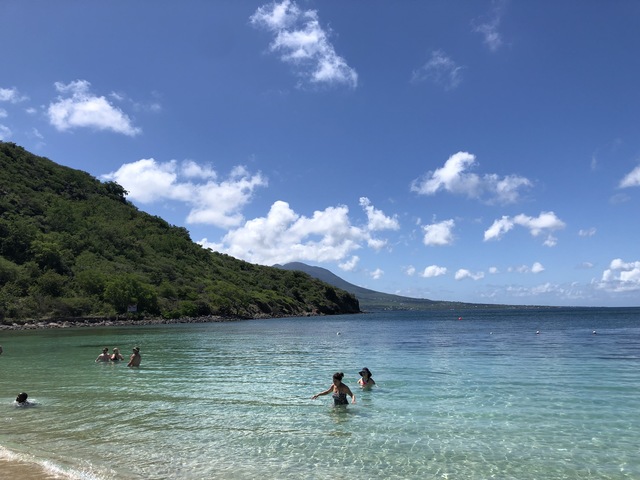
{"x":370,"y":300}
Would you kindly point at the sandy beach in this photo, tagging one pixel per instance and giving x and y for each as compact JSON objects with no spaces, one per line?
{"x":17,"y":470}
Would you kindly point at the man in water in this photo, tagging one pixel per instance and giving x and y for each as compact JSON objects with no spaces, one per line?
{"x":134,"y":360}
{"x":104,"y":356}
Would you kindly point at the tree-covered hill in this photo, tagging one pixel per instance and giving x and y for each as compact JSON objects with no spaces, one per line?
{"x":72,"y":246}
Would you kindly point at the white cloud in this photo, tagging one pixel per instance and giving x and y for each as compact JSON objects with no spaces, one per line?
{"x":212,"y":202}
{"x":433,"y":271}
{"x":544,"y":223}
{"x":284,"y":236}
{"x":463,"y":273}
{"x":350,"y":264}
{"x":454,"y":178}
{"x":5,"y":132}
{"x":439,"y":233}
{"x":439,"y":69}
{"x":377,"y":219}
{"x":621,"y":276}
{"x":77,"y":107}
{"x":537,"y":268}
{"x":589,"y":232}
{"x":488,"y":26}
{"x":631,"y":179}
{"x":304,"y":43}
{"x":410,"y":270}
{"x":493,"y":270}
{"x":3,"y":113}
{"x":11,"y":95}
{"x":377,"y":274}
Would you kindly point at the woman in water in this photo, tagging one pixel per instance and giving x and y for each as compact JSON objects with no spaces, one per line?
{"x":339,"y":389}
{"x":117,"y":356}
{"x":366,"y":380}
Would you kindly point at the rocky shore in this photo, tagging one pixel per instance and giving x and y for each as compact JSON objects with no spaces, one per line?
{"x":108,"y":322}
{"x":128,"y":321}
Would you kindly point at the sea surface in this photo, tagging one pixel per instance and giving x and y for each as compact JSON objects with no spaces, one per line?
{"x":550,"y":393}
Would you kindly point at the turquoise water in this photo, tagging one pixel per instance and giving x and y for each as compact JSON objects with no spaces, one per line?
{"x":484,"y":396}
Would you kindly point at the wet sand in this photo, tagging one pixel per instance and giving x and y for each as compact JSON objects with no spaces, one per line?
{"x":16,"y":470}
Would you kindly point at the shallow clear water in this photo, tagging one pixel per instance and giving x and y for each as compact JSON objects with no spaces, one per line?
{"x":484,"y":396}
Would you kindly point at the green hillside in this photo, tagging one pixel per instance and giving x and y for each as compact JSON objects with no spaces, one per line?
{"x":72,"y":246}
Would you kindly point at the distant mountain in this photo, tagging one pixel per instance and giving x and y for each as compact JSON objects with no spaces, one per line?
{"x":370,"y":300}
{"x":72,"y":246}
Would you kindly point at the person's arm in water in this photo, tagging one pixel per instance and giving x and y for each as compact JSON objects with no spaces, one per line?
{"x":347,"y":390}
{"x":328,"y":390}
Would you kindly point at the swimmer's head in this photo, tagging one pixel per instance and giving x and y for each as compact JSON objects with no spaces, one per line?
{"x":22,"y":397}
{"x":338,"y":376}
{"x":365,"y":371}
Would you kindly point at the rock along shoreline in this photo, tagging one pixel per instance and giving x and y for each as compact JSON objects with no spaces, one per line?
{"x":126,"y":322}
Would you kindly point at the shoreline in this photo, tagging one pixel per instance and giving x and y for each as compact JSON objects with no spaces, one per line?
{"x":111,"y":322}
{"x":22,"y":470}
{"x":126,"y":322}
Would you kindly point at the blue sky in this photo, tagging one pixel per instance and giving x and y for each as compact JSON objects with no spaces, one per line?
{"x":476,"y":151}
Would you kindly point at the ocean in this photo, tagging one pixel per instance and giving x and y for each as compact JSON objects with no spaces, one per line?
{"x":547,"y":393}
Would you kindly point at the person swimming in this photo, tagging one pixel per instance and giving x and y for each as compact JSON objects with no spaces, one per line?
{"x":21,"y":399}
{"x":366,"y":379}
{"x":339,"y":390}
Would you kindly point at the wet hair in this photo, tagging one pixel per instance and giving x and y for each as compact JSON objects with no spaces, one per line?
{"x":338,"y":376}
{"x":22,"y":397}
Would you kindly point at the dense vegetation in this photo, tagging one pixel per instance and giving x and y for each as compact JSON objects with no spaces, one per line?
{"x":72,"y":246}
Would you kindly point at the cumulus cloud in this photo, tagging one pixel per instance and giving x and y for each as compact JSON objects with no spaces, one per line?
{"x":440,"y":233}
{"x":301,"y":41}
{"x":542,"y":224}
{"x":377,"y":274}
{"x":377,"y":220}
{"x":439,"y":69}
{"x":463,"y":273}
{"x":454,"y":177}
{"x":537,"y":268}
{"x":11,"y":95}
{"x":77,"y":107}
{"x":631,"y":179}
{"x":410,"y":270}
{"x":433,"y":271}
{"x":284,"y":236}
{"x":621,"y":277}
{"x":350,"y":264}
{"x":488,"y":26}
{"x":213,"y":201}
